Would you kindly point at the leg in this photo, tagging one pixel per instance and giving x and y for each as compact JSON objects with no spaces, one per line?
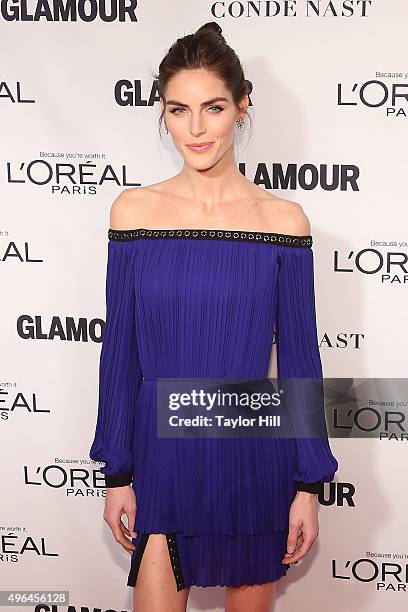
{"x":156,"y":589}
{"x":250,"y":598}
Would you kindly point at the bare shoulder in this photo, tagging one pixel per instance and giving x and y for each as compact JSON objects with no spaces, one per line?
{"x":295,"y":219}
{"x":289,"y":217}
{"x":128,"y":208}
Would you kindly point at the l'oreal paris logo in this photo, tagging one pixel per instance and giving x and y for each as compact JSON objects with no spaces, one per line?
{"x":386,"y":575}
{"x":391,"y":97}
{"x":66,"y":173}
{"x":391,"y":266}
{"x":74,"y":477}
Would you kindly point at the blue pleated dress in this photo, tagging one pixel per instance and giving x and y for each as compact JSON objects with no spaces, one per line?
{"x":206,"y":303}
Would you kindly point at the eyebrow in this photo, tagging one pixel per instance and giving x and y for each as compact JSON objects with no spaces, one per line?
{"x":175,"y":103}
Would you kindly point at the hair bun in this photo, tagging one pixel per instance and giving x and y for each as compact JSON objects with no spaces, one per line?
{"x":211,"y":26}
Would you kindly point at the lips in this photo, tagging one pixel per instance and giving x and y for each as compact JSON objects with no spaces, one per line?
{"x":200,"y":147}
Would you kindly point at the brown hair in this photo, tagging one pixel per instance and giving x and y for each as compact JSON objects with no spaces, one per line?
{"x":207,"y":49}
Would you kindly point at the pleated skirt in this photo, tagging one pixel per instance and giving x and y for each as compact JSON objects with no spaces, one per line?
{"x":210,"y":560}
{"x":223,"y":504}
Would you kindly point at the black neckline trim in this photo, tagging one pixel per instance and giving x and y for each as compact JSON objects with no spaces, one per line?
{"x":211,"y":234}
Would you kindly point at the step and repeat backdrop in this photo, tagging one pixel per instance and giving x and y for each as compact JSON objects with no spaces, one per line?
{"x":79,"y":113}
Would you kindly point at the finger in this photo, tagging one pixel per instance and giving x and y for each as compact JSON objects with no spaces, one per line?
{"x":131,"y":516}
{"x":289,"y":556}
{"x":302,"y":551}
{"x":299,"y":542}
{"x":121,"y":538}
{"x":292,"y":538}
{"x":124,"y":529}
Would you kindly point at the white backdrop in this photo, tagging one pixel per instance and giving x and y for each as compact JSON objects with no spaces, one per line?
{"x":78,"y":121}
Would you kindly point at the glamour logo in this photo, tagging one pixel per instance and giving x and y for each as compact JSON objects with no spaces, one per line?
{"x":391,"y":97}
{"x":69,"y":10}
{"x":337,"y":494}
{"x":342,"y":177}
{"x":67,"y":329}
{"x":386,"y":576}
{"x":292,"y":8}
{"x":65,"y":177}
{"x":390,"y":266}
{"x":130,"y":93}
{"x":81,"y":480}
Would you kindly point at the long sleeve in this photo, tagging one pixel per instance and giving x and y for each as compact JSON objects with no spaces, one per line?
{"x":119,"y":369}
{"x":298,"y":356}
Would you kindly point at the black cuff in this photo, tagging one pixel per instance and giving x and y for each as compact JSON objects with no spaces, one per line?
{"x":118,"y":480}
{"x":310,"y":487}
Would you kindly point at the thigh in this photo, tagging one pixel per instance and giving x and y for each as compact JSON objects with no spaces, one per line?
{"x":155,"y":589}
{"x":250,"y":598}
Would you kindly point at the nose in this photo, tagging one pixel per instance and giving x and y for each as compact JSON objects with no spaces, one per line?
{"x":197,"y":125}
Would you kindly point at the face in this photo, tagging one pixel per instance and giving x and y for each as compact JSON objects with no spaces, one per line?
{"x":200,"y":110}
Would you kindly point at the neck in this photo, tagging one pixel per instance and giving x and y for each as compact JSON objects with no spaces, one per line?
{"x":211,"y":187}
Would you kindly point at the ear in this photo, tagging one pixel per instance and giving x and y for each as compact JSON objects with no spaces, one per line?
{"x":245,"y":100}
{"x":244,"y":104}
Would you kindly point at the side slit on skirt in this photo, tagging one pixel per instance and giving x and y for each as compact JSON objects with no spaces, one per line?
{"x":174,"y":559}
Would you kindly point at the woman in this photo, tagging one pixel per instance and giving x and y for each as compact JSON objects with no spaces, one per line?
{"x":203,"y":302}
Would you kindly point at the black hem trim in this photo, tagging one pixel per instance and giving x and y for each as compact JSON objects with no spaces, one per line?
{"x":118,"y":480}
{"x":138,"y":553}
{"x":212,"y":234}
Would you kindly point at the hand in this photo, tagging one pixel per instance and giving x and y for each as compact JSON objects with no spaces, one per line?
{"x":303,"y":526}
{"x":118,"y":501}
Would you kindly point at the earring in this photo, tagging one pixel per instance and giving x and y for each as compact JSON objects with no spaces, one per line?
{"x":166,"y":128}
{"x":240,"y":123}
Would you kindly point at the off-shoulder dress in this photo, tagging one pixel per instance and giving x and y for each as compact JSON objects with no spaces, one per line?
{"x":206,"y":303}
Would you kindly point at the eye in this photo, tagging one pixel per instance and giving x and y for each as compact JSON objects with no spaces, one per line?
{"x":179,"y":108}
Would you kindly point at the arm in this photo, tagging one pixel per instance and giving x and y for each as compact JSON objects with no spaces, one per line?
{"x":119,"y":367}
{"x":298,"y":352}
